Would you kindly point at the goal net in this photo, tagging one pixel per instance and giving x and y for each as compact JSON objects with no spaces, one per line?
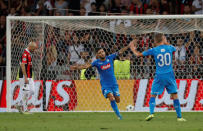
{"x":64,"y":42}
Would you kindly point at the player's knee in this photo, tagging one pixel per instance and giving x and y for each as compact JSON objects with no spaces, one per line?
{"x":111,"y":97}
{"x":174,"y":96}
{"x":31,"y":92}
{"x":117,"y":99}
{"x":153,"y":96}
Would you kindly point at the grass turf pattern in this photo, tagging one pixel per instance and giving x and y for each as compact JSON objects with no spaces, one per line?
{"x":99,"y":121}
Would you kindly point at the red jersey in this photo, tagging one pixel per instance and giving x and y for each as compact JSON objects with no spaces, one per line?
{"x":27,"y":60}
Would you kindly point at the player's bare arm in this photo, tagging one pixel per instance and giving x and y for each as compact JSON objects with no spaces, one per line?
{"x":22,"y":65}
{"x":80,"y":67}
{"x":123,"y":50}
{"x":132,"y":47}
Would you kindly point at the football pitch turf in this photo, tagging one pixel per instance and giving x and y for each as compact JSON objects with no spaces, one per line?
{"x":99,"y":121}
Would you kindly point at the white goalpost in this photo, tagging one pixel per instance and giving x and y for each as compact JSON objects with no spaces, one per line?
{"x":65,"y":41}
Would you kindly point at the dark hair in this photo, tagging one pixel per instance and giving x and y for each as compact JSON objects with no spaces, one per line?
{"x":158,"y":37}
{"x":103,"y":6}
{"x":93,"y":3}
{"x":97,"y":49}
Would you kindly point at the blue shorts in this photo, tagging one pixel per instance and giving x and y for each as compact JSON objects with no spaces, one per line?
{"x":162,"y":81}
{"x":110,"y":89}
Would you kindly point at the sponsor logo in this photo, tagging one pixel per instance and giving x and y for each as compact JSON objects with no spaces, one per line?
{"x":60,"y":96}
{"x":24,"y":59}
{"x":190,"y":93}
{"x":105,"y":67}
{"x":162,"y":50}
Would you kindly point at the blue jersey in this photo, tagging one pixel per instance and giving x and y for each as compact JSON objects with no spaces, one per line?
{"x":163,"y":55}
{"x":106,"y":70}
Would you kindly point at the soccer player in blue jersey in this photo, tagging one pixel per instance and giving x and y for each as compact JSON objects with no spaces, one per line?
{"x":164,"y":76}
{"x":105,"y":67}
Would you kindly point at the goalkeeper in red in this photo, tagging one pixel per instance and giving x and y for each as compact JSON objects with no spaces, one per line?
{"x":25,"y":76}
{"x":105,"y":67}
{"x":164,"y":77}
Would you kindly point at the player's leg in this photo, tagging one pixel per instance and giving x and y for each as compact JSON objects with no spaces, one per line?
{"x":27,"y":90}
{"x":116,"y":95}
{"x":25,"y":97}
{"x":21,"y":105}
{"x":117,"y":98}
{"x":30,"y":93}
{"x":172,"y":89}
{"x":152,"y":105}
{"x":157,"y":88}
{"x":31,"y":87}
{"x":25,"y":100}
{"x":114,"y":105}
{"x":176,"y":104}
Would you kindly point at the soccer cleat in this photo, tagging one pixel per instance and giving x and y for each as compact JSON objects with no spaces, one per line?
{"x":27,"y":113}
{"x":120,"y":118}
{"x":149,"y":117}
{"x":181,"y":119}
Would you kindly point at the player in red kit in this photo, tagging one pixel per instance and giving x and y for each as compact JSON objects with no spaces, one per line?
{"x":25,"y":76}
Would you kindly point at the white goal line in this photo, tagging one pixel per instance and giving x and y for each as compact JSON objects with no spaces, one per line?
{"x":108,"y":111}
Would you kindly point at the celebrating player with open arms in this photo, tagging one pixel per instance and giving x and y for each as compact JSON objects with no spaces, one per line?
{"x":164,"y":77}
{"x":104,"y":65}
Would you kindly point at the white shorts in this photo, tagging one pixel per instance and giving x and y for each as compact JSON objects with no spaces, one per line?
{"x":30,"y":86}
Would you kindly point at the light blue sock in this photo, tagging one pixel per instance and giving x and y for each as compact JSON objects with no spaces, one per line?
{"x":176,"y":105}
{"x":152,"y":104}
{"x":115,"y":108}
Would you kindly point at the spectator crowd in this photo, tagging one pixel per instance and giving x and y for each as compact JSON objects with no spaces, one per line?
{"x":76,"y":47}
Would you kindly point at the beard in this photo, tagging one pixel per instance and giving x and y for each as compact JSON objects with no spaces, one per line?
{"x":102,"y":57}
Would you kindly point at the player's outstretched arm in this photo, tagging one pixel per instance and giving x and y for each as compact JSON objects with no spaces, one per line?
{"x":132,"y":47}
{"x":123,"y":50}
{"x":80,"y":67}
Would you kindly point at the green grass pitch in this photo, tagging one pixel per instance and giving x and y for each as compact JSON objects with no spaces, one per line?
{"x":99,"y":121}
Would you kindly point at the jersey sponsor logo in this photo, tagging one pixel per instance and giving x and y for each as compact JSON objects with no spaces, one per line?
{"x":107,"y":60}
{"x":163,"y":50}
{"x":105,"y":67}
